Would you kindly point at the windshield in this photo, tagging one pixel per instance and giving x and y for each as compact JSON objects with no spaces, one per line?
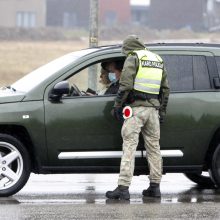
{"x":34,"y":78}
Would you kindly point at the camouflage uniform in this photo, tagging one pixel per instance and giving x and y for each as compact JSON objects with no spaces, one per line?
{"x":145,"y":118}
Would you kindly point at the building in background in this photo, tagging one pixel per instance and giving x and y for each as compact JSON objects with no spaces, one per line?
{"x":23,"y":13}
{"x":156,"y":14}
{"x":75,"y":13}
{"x":212,"y":15}
{"x":57,"y":13}
{"x":68,"y":13}
{"x":140,"y":12}
{"x":175,"y":14}
{"x":114,"y":12}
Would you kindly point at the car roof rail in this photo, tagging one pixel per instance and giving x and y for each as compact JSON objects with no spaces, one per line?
{"x":198,"y":44}
{"x":165,"y":44}
{"x":184,"y":44}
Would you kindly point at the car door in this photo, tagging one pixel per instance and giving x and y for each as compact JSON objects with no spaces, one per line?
{"x":81,"y":124}
{"x":80,"y":130}
{"x":184,"y":135}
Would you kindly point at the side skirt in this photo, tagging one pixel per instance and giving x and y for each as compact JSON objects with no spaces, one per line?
{"x":140,"y":170}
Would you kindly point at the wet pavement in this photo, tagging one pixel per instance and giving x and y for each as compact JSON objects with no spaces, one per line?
{"x":80,"y":196}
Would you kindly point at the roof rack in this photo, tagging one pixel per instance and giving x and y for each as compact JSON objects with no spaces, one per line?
{"x":201,"y":44}
{"x":165,"y":44}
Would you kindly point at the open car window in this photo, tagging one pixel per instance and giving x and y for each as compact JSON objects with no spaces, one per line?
{"x":95,"y":80}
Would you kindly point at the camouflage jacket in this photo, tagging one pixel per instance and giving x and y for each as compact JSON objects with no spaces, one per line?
{"x":126,"y":84}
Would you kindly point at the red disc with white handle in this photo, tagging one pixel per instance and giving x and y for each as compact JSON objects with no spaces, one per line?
{"x":127,"y":112}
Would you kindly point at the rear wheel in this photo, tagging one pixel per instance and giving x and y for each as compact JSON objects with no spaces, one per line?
{"x":215,"y":167}
{"x":14,"y":165}
{"x":202,"y":179}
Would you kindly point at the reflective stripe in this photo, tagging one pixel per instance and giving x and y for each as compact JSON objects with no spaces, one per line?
{"x":147,"y":81}
{"x":146,"y":89}
{"x":149,"y":75}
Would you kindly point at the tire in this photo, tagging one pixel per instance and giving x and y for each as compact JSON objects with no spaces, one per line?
{"x":14,"y":165}
{"x":215,"y":168}
{"x":200,"y":179}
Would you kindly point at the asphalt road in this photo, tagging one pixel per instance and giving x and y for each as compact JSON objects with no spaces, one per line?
{"x":83,"y":197}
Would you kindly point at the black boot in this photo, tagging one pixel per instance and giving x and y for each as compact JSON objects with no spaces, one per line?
{"x":152,"y":191}
{"x":121,"y":192}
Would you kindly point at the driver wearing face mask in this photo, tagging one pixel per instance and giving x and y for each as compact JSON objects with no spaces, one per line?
{"x":112,"y":77}
{"x":115,"y":69}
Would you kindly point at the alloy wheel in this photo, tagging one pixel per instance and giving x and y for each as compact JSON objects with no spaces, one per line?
{"x":11,"y":165}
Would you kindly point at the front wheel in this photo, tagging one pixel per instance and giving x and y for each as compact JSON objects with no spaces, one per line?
{"x":14,"y":165}
{"x":215,"y":167}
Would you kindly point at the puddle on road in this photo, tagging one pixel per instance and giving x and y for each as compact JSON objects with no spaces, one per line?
{"x":71,"y":190}
{"x":100,"y":199}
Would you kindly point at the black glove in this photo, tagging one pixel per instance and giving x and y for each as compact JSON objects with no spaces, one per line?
{"x":117,"y":113}
{"x":162,"y":116}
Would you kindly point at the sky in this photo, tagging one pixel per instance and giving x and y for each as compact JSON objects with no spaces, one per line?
{"x":140,"y":2}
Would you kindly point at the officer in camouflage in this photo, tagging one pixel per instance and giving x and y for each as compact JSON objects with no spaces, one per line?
{"x":144,"y":87}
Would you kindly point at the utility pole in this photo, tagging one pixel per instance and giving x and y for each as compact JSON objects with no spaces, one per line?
{"x":93,"y":41}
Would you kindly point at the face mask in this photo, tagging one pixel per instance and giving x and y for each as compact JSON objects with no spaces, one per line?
{"x":112,"y":77}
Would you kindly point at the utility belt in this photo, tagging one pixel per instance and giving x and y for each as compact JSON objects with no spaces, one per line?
{"x":144,"y":96}
{"x":137,"y":95}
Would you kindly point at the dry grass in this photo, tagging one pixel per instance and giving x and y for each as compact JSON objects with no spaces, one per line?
{"x":19,"y":58}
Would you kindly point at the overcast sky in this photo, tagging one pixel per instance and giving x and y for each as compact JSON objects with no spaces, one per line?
{"x":140,"y":2}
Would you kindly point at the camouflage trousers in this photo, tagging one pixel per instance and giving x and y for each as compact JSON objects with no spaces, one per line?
{"x":145,"y":120}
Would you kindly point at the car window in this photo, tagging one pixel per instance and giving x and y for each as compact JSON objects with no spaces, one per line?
{"x":37,"y":76}
{"x":98,"y":79}
{"x":81,"y":79}
{"x":180,"y":72}
{"x":218,"y":64}
{"x":201,"y":74}
{"x":186,"y":73}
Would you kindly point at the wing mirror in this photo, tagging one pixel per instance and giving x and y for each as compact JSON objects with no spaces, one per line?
{"x":60,"y":89}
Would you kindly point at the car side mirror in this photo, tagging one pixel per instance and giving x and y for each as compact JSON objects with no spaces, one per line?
{"x":216,"y":81}
{"x":60,"y":89}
